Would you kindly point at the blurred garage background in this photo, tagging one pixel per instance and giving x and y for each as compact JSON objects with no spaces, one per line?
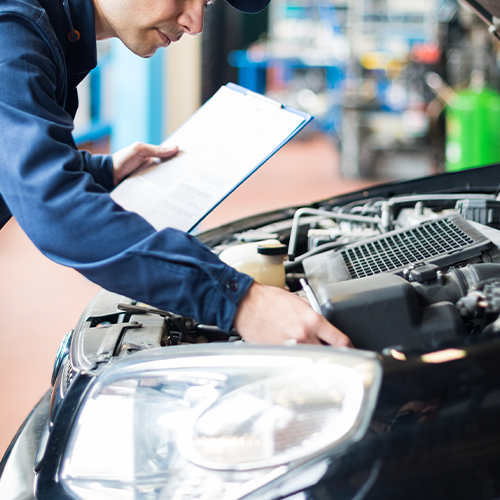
{"x":395,"y":90}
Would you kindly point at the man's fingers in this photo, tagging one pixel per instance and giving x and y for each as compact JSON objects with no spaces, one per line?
{"x":326,"y":333}
{"x":137,"y":157}
{"x":335,"y":338}
{"x":150,"y":150}
{"x":313,"y":340}
{"x":323,"y":332}
{"x":168,"y":152}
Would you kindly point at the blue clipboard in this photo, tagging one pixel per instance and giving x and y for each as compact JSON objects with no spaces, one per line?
{"x":220,"y":146}
{"x":306,"y":118}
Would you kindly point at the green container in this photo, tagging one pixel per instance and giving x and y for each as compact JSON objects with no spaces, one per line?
{"x":473,"y":130}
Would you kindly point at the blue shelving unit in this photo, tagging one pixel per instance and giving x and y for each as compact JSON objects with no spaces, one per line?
{"x":252,"y":74}
{"x":296,"y":48}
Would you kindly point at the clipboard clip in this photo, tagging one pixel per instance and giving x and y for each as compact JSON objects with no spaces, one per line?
{"x":265,"y":99}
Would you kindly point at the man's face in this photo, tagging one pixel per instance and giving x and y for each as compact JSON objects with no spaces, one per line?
{"x":146,"y":25}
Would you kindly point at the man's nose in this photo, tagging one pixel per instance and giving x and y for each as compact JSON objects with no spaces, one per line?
{"x":191,"y":18}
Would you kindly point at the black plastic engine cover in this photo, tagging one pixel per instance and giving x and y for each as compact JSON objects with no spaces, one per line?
{"x":381,"y":311}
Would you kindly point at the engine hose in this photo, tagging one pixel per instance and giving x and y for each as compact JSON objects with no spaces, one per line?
{"x":476,"y":273}
{"x":458,"y":283}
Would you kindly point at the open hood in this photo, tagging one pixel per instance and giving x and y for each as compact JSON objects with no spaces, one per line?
{"x":488,"y":11}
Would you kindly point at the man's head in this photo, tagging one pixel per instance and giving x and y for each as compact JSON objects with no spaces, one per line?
{"x":249,"y":6}
{"x":146,"y":25}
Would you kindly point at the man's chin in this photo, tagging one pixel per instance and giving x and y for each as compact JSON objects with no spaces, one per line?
{"x":148,"y":54}
{"x":144,"y":52}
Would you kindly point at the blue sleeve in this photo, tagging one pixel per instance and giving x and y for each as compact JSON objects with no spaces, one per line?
{"x":100,"y":167}
{"x":71,"y":218}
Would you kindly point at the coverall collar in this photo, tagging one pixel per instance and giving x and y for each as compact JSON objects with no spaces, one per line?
{"x":81,"y":56}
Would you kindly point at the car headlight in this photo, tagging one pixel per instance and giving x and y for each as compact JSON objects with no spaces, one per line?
{"x":216,"y":423}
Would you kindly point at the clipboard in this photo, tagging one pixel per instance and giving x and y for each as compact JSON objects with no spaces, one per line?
{"x":228,"y":139}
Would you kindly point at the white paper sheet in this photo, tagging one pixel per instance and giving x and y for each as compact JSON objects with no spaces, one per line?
{"x":225,"y":141}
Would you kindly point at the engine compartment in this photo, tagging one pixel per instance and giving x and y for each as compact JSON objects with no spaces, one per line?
{"x":396,"y":273}
{"x":403,"y":272}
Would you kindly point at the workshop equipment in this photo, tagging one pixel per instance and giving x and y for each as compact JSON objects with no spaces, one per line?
{"x":472,"y":129}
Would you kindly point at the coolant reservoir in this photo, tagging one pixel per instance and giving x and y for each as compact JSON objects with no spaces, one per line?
{"x":262,"y":260}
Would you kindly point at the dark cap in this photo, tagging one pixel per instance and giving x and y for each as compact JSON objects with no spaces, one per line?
{"x":249,"y":6}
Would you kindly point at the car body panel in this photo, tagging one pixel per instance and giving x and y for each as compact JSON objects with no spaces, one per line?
{"x":16,"y":470}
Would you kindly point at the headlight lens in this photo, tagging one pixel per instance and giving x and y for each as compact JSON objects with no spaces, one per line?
{"x":218,"y":424}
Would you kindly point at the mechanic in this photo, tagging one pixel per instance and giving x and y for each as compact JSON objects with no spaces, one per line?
{"x":60,"y":196}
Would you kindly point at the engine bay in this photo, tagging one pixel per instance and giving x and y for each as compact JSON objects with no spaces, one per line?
{"x":403,"y":272}
{"x":398,"y":273}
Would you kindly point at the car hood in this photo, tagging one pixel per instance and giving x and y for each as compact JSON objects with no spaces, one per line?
{"x":488,"y":11}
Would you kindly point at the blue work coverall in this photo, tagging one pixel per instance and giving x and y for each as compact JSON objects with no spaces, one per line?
{"x":60,"y":196}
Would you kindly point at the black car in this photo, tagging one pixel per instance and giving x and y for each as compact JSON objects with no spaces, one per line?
{"x":149,"y":405}
{"x":146,"y":404}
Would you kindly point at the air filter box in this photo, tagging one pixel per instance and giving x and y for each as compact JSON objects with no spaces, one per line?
{"x":382,"y":310}
{"x":444,"y":241}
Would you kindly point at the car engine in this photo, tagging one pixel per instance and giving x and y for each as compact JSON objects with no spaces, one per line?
{"x":396,"y":273}
{"x":401,"y":272}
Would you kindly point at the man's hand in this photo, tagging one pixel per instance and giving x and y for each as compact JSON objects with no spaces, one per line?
{"x":272,"y":315}
{"x":138,"y":156}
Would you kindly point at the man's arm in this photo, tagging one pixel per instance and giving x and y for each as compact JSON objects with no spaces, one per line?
{"x":73,"y":220}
